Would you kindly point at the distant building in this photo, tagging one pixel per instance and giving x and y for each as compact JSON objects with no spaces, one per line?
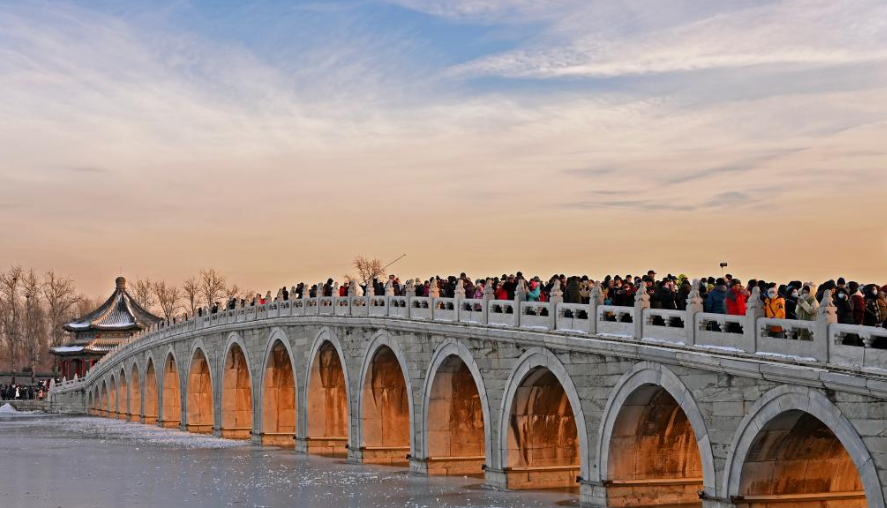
{"x":100,"y":331}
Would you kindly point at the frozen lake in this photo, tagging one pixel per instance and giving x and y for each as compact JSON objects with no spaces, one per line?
{"x":74,"y":462}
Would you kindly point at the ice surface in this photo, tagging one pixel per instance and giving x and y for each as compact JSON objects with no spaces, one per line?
{"x":147,"y":434}
{"x":76,"y":462}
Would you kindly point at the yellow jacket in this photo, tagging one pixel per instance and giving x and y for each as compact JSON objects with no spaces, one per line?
{"x":775,"y":308}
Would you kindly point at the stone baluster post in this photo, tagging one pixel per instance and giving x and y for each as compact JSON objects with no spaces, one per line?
{"x":489,"y":295}
{"x":292,"y":298}
{"x":754,"y":311}
{"x":433,"y":294}
{"x":317,"y":295}
{"x":459,"y":296}
{"x":555,"y":298}
{"x":641,"y":302}
{"x":825,"y":317}
{"x":370,"y":293}
{"x":410,"y":291}
{"x":389,"y":292}
{"x":354,"y":291}
{"x":596,"y":300}
{"x":520,"y":296}
{"x":694,"y":306}
{"x":368,"y":296}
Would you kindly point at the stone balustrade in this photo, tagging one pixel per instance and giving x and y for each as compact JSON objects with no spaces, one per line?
{"x":819,"y":341}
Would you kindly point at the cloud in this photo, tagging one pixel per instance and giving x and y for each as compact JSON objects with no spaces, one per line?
{"x":492,"y":11}
{"x":646,"y":205}
{"x":799,"y":33}
{"x":590,"y":172}
{"x":682,"y":203}
{"x":82,"y":170}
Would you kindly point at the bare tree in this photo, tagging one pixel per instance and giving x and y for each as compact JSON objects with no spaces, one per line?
{"x":232,"y":291}
{"x":168,"y":298}
{"x":34,"y":323}
{"x":212,"y":286}
{"x":369,"y":269}
{"x":85,"y":304}
{"x":191,"y":291}
{"x":61,"y":298}
{"x":10,"y":291}
{"x":143,"y":293}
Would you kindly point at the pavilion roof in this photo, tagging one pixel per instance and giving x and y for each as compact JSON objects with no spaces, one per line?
{"x":119,"y":313}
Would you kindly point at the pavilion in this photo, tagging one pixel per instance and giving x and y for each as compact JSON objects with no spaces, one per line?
{"x":100,"y":331}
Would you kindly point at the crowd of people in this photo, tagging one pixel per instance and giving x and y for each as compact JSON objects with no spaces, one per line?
{"x":35,"y":391}
{"x":860,"y":304}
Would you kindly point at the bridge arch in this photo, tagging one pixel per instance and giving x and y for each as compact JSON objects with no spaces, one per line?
{"x":278,"y":392}
{"x":798,"y":431}
{"x":199,"y":398}
{"x":653,"y":444}
{"x":236,"y":390}
{"x":150,"y":398}
{"x":384,"y":403}
{"x":122,"y":395}
{"x":170,"y":392}
{"x":540,"y":395}
{"x":105,"y":399}
{"x":89,"y":403}
{"x":327,"y":415}
{"x":113,"y":399}
{"x":135,"y":393}
{"x":454,"y":388}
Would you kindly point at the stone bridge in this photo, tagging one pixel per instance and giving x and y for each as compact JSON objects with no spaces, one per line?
{"x":633,"y":405}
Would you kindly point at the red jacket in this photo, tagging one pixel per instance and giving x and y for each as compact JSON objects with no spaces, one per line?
{"x":858,"y":308}
{"x":736,"y":300}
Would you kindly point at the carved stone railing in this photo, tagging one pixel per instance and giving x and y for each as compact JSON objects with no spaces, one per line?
{"x":420,"y":308}
{"x":820,"y":341}
{"x":445,"y":310}
{"x":473,"y":311}
{"x":719,"y":331}
{"x":863,"y":346}
{"x":503,"y":313}
{"x":573,"y":318}
{"x":614,"y":320}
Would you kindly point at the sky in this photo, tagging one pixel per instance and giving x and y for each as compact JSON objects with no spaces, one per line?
{"x":277,"y":140}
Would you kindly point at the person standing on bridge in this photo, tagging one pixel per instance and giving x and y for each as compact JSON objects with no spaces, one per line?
{"x":774,"y":308}
{"x":882,"y":303}
{"x":842,"y":303}
{"x":857,"y":303}
{"x":717,"y":298}
{"x":571,"y":292}
{"x":807,"y":304}
{"x":872,"y":315}
{"x":791,"y":301}
{"x":737,"y":299}
{"x":533,"y":295}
